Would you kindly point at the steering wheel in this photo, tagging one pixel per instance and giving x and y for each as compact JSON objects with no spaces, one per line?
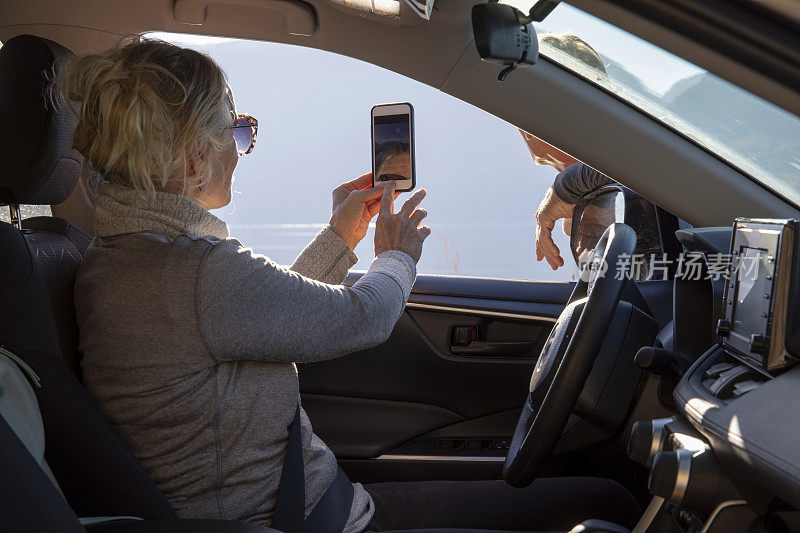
{"x":568,"y":356}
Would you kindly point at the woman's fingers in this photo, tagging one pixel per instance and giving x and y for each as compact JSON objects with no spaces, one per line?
{"x":343,"y":191}
{"x":387,"y":199}
{"x":361,"y":182}
{"x":366,"y":195}
{"x":417,"y":216}
{"x":368,"y":198}
{"x":374,"y":206}
{"x":401,"y":231}
{"x":410,"y":204}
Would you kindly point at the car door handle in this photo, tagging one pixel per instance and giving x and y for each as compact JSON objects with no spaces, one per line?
{"x":492,"y":348}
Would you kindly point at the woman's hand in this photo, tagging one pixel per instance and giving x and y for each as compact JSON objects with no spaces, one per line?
{"x":354,"y":205}
{"x":550,"y":210}
{"x":401,"y":231}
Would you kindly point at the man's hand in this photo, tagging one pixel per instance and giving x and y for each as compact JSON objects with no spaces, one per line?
{"x":354,"y":205}
{"x":550,"y":211}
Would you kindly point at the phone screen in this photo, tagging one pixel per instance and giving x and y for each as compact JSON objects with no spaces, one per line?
{"x":393,"y":145}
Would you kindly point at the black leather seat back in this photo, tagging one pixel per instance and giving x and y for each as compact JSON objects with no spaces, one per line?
{"x":97,"y":472}
{"x":28,"y":499}
{"x":38,"y":166}
{"x":37,"y":276}
{"x":26,"y":314}
{"x":37,"y":162}
{"x":58,"y":249}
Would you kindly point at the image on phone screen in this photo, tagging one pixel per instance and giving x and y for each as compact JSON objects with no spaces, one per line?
{"x":392,"y":147}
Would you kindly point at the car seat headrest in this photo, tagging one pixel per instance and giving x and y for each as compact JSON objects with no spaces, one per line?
{"x":37,"y":162}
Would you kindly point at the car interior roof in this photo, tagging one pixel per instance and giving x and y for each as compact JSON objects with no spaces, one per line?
{"x":545,"y":99}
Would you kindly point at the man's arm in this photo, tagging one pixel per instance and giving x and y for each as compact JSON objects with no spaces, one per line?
{"x":558,"y":203}
{"x":576,"y":181}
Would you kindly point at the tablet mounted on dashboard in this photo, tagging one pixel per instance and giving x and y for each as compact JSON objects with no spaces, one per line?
{"x":759,"y":322}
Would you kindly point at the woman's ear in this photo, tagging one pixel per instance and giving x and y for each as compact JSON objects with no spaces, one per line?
{"x":196,"y":161}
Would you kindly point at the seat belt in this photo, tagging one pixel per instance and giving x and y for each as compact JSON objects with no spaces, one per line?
{"x":332,"y":511}
{"x":290,"y":503}
{"x":329,"y":515}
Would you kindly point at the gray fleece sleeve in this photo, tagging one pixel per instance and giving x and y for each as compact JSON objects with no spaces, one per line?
{"x":249,"y":308}
{"x":576,"y":180}
{"x":327,"y":258}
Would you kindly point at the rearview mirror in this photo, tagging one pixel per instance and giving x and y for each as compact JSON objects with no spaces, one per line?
{"x":504,"y":35}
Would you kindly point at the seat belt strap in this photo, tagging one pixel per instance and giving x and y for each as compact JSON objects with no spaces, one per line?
{"x":290,"y":503}
{"x":329,"y":515}
{"x":332,"y":511}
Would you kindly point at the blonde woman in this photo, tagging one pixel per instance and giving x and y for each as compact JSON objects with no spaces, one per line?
{"x":189,"y":339}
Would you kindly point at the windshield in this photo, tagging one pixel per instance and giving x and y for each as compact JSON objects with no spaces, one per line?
{"x":752,"y":134}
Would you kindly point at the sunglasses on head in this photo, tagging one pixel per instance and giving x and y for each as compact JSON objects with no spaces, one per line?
{"x":244,"y":133}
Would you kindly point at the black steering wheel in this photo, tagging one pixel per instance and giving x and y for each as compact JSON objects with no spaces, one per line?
{"x":568,"y":355}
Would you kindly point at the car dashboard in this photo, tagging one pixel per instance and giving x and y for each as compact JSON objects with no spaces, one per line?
{"x":729,"y":457}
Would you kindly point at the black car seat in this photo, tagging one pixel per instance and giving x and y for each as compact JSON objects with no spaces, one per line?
{"x":26,"y":491}
{"x":36,"y":167}
{"x":97,"y":472}
{"x":30,"y":502}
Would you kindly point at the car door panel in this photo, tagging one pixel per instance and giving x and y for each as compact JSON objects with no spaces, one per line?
{"x":485,"y":436}
{"x":380,"y":425}
{"x":412,"y":399}
{"x":406,"y":369}
{"x":435,"y":325}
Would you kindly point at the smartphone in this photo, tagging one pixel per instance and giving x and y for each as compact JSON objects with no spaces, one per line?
{"x":393,"y":145}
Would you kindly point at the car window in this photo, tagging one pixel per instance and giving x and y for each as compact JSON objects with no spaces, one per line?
{"x":313,"y":109}
{"x":757,"y":137}
{"x":25,"y":211}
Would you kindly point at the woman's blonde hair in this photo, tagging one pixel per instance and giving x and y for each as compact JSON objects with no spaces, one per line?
{"x":141,"y":106}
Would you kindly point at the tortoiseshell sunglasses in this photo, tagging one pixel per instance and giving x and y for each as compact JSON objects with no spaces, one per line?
{"x":244,"y":133}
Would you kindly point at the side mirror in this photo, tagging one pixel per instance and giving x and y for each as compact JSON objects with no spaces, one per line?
{"x":608,"y":205}
{"x":504,"y":35}
{"x":594,"y":213}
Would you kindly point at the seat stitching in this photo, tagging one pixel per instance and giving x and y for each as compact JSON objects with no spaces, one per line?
{"x":217,"y":415}
{"x":198,"y":315}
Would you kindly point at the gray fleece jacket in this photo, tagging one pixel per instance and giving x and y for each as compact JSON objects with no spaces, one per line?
{"x":190,"y":340}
